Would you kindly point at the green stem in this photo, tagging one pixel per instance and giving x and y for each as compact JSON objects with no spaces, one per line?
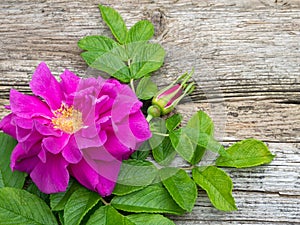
{"x":149,"y":118}
{"x":187,"y":168}
{"x":104,"y":202}
{"x":161,"y":134}
{"x":132,"y":85}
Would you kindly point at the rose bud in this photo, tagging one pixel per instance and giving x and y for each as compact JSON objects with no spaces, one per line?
{"x":167,"y":98}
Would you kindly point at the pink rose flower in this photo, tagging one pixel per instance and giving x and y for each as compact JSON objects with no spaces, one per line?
{"x":78,"y":127}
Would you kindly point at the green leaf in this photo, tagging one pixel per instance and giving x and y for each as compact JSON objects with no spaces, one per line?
{"x":60,"y":215}
{"x":147,"y":58}
{"x":183,"y":144}
{"x":173,"y":122}
{"x":195,"y":138}
{"x":19,"y":207}
{"x":149,"y":219}
{"x":141,"y":31}
{"x":97,"y":43}
{"x":190,"y":145}
{"x":152,"y":199}
{"x":78,"y":205}
{"x":218,"y":186}
{"x":109,"y":63}
{"x":59,"y":200}
{"x":121,"y":189}
{"x":7,"y":177}
{"x":158,"y":130}
{"x":115,"y":22}
{"x":107,"y":215}
{"x":33,"y":189}
{"x":133,"y":175}
{"x":137,"y":173}
{"x":246,"y":153}
{"x":180,"y":186}
{"x":146,"y":89}
{"x":142,"y":153}
{"x":91,"y":56}
{"x":202,"y":123}
{"x":164,"y":153}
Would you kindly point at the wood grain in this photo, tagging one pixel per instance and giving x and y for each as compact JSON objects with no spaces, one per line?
{"x":246,"y":55}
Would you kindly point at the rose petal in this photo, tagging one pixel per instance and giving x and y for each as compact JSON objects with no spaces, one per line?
{"x":7,"y":126}
{"x":23,"y":134}
{"x":88,"y":177}
{"x":23,"y":123}
{"x":47,"y":129}
{"x":24,"y":160}
{"x":43,"y":154}
{"x":115,"y":147}
{"x":56,"y":144}
{"x":125,"y":104}
{"x":139,"y":126}
{"x":95,"y":139}
{"x":105,"y":186}
{"x":31,"y":140}
{"x":52,"y":176}
{"x":71,"y":153}
{"x":69,"y":82}
{"x":45,"y":85}
{"x":27,"y":107}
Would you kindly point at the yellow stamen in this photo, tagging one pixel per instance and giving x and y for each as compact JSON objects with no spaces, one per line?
{"x":67,"y":119}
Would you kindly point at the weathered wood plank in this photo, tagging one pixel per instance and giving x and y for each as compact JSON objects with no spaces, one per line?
{"x":246,"y":56}
{"x":253,"y":209}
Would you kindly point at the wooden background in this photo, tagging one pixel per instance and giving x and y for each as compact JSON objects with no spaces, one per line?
{"x":246,"y":55}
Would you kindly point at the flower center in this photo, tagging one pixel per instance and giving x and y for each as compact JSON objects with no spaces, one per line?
{"x":67,"y":119}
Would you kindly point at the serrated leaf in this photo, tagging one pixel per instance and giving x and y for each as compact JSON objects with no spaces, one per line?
{"x":91,"y":56}
{"x":164,"y":153}
{"x":202,"y":123}
{"x":195,"y":138}
{"x":218,"y":186}
{"x":97,"y":43}
{"x":121,"y":189}
{"x":19,"y":207}
{"x":59,"y":200}
{"x":141,"y":31}
{"x":180,"y":186}
{"x":107,"y":215}
{"x":173,"y":122}
{"x":78,"y":205}
{"x":152,"y":199}
{"x":149,"y":219}
{"x":147,"y":58}
{"x":246,"y":153}
{"x":137,"y":173}
{"x":133,"y":175}
{"x":7,"y":177}
{"x":183,"y":144}
{"x":190,"y":145}
{"x":146,"y":89}
{"x":108,"y":62}
{"x":142,"y":153}
{"x":115,"y":22}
